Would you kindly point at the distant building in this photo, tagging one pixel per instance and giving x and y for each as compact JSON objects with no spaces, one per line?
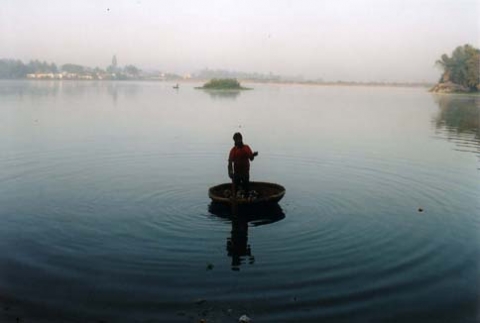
{"x":44,"y":76}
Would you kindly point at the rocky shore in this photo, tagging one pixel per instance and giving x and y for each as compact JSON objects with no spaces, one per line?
{"x":450,"y":87}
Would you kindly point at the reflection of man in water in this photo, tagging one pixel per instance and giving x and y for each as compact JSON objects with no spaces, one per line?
{"x":237,"y":244}
{"x":239,"y":162}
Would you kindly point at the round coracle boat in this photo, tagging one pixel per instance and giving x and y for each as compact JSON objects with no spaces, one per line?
{"x":260,"y":193}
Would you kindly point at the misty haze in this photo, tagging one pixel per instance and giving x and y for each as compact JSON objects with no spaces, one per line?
{"x":252,"y":161}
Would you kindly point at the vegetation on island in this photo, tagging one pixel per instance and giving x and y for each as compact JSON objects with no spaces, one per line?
{"x":461,"y":71}
{"x":223,"y":84}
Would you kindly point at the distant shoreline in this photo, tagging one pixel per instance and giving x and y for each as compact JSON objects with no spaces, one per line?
{"x":187,"y":81}
{"x":366,"y":84}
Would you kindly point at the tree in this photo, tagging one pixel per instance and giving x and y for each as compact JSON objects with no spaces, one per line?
{"x":472,"y":77}
{"x":12,"y":69}
{"x":131,"y":70}
{"x":73,"y":68}
{"x":53,"y":68}
{"x":462,"y":67}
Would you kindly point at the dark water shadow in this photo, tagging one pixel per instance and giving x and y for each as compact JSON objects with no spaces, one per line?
{"x":458,"y":113}
{"x":237,"y":246}
{"x":458,"y":121}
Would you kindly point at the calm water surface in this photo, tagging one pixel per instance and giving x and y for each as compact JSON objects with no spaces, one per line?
{"x":104,"y":213}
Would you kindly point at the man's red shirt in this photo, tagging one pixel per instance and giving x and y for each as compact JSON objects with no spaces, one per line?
{"x":240,"y":156}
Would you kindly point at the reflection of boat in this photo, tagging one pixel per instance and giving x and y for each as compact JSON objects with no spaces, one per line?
{"x":267,"y":193}
{"x":255,"y":214}
{"x":249,"y":215}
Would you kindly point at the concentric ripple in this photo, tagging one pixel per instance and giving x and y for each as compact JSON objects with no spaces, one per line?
{"x":105,"y":215}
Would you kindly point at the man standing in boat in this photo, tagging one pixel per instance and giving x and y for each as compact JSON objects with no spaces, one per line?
{"x":239,"y":163}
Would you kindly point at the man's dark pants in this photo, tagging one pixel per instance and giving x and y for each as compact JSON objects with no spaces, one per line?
{"x":243,"y":181}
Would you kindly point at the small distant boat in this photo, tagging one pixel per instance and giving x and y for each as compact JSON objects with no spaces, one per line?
{"x":265,"y":193}
{"x":176,"y":86}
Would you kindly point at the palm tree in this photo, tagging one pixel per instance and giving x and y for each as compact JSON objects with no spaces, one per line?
{"x":446,"y":64}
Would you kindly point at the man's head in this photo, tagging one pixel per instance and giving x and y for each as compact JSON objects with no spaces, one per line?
{"x":237,"y":137}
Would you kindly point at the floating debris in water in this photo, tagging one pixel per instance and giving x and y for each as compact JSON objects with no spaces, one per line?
{"x":244,"y":319}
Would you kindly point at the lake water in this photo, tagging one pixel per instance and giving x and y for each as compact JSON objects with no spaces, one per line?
{"x":104,"y":213}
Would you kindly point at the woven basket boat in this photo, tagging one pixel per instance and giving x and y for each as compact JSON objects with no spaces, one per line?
{"x":266,"y":193}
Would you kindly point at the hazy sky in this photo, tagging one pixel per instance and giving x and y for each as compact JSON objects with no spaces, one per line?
{"x":358,"y":40}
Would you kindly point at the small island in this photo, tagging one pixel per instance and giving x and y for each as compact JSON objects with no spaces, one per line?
{"x":222,"y":84}
{"x":461,"y":71}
